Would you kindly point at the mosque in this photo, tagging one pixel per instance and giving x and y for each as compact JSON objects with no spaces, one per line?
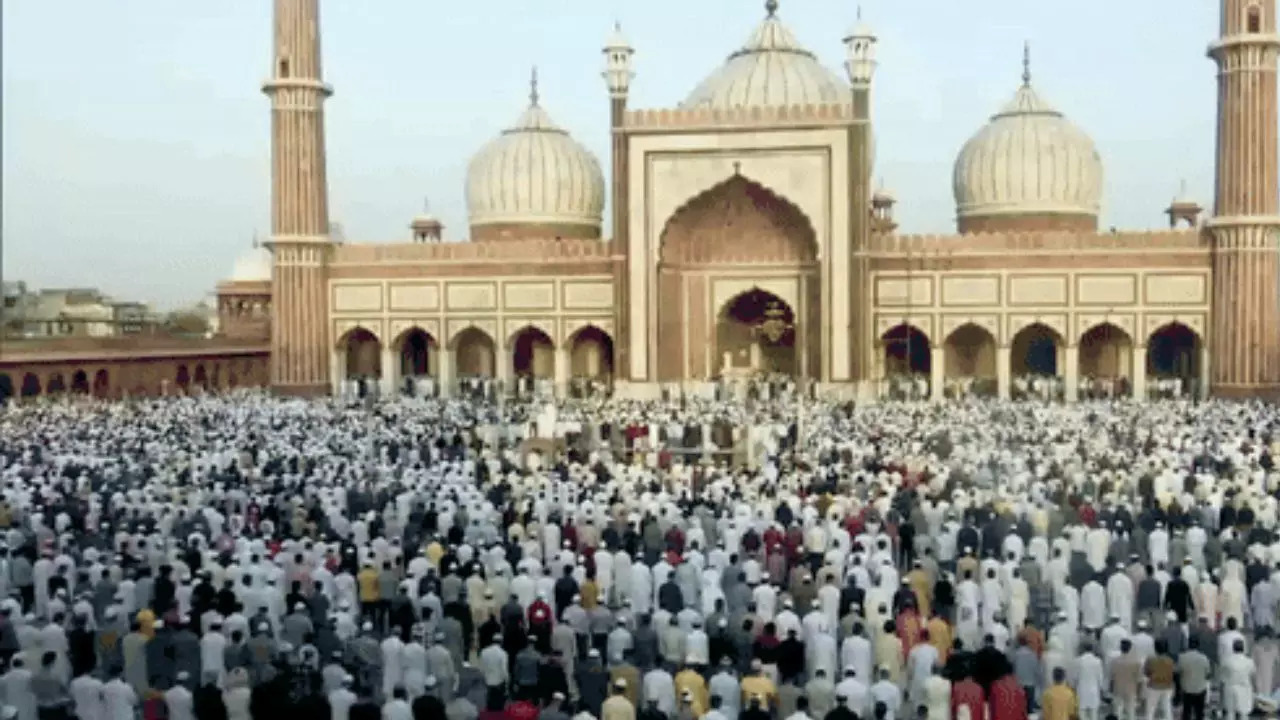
{"x":747,"y":238}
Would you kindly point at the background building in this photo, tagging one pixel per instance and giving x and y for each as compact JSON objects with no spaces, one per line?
{"x":747,"y":237}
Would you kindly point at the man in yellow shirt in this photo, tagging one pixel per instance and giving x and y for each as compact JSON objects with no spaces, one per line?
{"x":618,"y":707}
{"x":1059,"y":701}
{"x":367,"y":579}
{"x":758,"y":685}
{"x":690,"y":682}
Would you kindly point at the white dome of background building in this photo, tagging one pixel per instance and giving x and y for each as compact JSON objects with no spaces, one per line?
{"x":253,"y":266}
{"x":1029,"y":168}
{"x":770,"y":70}
{"x":534,"y":180}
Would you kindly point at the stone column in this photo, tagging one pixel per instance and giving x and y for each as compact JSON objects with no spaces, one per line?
{"x":505,"y":361}
{"x":562,"y":371}
{"x":1004,"y":364}
{"x":1071,"y":356}
{"x":444,"y":371}
{"x":1139,"y":372}
{"x":937,"y":366}
{"x":389,"y":374}
{"x":337,"y":373}
{"x":1206,"y":371}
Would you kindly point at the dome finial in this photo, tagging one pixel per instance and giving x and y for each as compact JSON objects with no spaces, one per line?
{"x":533,"y":86}
{"x":426,"y":205}
{"x":771,"y":7}
{"x":1026,"y":62}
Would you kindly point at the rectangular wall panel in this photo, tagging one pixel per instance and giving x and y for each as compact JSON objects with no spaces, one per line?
{"x":1106,"y":289}
{"x":471,"y":296}
{"x":529,"y":296}
{"x":357,"y":298}
{"x":970,"y":290}
{"x":415,"y":296}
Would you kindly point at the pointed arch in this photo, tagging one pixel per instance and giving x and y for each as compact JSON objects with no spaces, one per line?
{"x":80,"y":382}
{"x":590,"y":352}
{"x":31,"y":385}
{"x":532,"y":352}
{"x":56,"y":385}
{"x":756,"y":331}
{"x":1105,"y":352}
{"x":365,"y":332}
{"x":1174,"y":351}
{"x":6,"y":387}
{"x":101,"y":383}
{"x":469,"y":330}
{"x":475,"y":352}
{"x":907,"y":350}
{"x":738,"y":220}
{"x":361,"y":350}
{"x":201,"y":377}
{"x":1035,"y":350}
{"x":183,"y":378}
{"x":416,"y":348}
{"x":970,"y":352}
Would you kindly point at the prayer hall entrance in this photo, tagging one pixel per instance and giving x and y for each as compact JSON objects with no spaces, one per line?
{"x":755,"y":334}
{"x":739,"y":287}
{"x":1174,"y":362}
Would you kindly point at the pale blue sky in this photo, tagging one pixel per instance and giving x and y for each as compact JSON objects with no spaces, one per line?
{"x":136,"y":148}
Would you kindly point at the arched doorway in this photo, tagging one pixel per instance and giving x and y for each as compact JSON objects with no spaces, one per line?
{"x":6,"y":387}
{"x":1174,"y":357}
{"x":591,"y":354}
{"x":30,"y":385}
{"x":362,"y":355}
{"x":183,"y":379}
{"x":415,"y":347}
{"x":756,"y":333}
{"x":1035,"y":350}
{"x":590,"y":361}
{"x":906,"y":351}
{"x":474,"y":354}
{"x":80,"y":383}
{"x":215,"y":378}
{"x":533,"y":355}
{"x":1105,"y":361}
{"x":101,"y":383}
{"x":740,"y":228}
{"x":56,"y":385}
{"x":201,"y":378}
{"x":969,"y":361}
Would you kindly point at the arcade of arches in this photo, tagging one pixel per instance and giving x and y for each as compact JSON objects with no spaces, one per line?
{"x":738,"y":234}
{"x":133,"y":377}
{"x":1103,"y":352}
{"x":472,"y":353}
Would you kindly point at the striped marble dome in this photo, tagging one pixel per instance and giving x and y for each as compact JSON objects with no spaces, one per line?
{"x":534,"y":173}
{"x":770,"y":70}
{"x":1028,"y":160}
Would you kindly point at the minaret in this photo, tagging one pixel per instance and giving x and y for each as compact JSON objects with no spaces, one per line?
{"x":860,"y":65}
{"x":617,"y":75}
{"x":300,"y":241}
{"x":1245,"y":227}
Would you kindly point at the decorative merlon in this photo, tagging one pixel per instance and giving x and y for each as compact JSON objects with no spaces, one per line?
{"x":994,"y":243}
{"x":782,"y":116}
{"x":547,"y":250}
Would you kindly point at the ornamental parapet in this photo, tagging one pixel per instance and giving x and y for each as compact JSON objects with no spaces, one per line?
{"x":704,"y":117}
{"x":526,"y":251}
{"x":1140,"y":241}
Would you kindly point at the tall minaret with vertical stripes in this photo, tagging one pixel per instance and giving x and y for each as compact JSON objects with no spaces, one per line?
{"x":300,"y":242}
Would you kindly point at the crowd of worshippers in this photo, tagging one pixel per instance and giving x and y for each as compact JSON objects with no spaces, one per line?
{"x":240,"y":556}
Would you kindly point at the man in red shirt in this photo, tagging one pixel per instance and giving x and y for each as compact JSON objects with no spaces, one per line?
{"x":1008,"y":699}
{"x":522,"y":710}
{"x":968,"y":693}
{"x":541,"y":619}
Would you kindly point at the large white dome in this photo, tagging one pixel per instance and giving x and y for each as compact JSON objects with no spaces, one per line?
{"x":1029,"y":160}
{"x":771,"y":70}
{"x":253,"y":266}
{"x":534,"y":173}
